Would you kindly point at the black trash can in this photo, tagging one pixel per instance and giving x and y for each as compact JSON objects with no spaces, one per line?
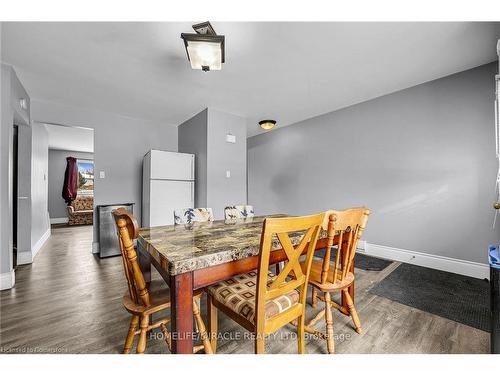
{"x":494,"y":258}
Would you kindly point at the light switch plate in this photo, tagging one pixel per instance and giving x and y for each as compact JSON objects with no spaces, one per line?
{"x":102,"y":174}
{"x":228,"y":174}
{"x":230,"y":138}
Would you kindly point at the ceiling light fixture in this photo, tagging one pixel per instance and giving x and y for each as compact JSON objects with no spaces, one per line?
{"x":205,"y":49}
{"x":267,"y":124}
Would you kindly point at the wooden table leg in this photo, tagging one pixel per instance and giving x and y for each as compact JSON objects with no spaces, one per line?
{"x":181,"y":299}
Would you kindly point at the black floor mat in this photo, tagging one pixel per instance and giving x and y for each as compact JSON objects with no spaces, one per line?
{"x":363,"y":262}
{"x":456,"y":297}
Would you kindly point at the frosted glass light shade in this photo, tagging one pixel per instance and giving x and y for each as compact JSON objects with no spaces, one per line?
{"x":204,"y":54}
{"x":204,"y":51}
{"x":267,"y":124}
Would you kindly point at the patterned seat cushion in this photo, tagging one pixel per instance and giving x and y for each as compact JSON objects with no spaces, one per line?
{"x":238,"y":212}
{"x":83,"y":203}
{"x":238,"y":294}
{"x":81,"y":210}
{"x":192,"y":215}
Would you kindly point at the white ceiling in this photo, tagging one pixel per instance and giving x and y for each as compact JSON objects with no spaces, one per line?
{"x":72,"y":139}
{"x":284,"y":71}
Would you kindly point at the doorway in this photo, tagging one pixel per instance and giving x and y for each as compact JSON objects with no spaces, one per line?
{"x":73,"y":212}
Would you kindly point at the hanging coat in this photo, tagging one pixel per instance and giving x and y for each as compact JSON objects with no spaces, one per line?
{"x":70,"y":186}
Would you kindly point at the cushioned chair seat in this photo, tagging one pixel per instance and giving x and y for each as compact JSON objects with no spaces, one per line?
{"x":330,"y":284}
{"x":81,"y":211}
{"x":238,"y":294}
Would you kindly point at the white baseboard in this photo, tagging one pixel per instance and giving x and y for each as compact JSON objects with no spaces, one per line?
{"x":7,"y":280}
{"x":36,"y":248}
{"x":26,"y":257}
{"x":462,"y":267}
{"x":95,"y":248}
{"x":58,"y":220}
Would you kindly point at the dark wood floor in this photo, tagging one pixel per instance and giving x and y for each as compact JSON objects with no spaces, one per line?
{"x":69,"y":301}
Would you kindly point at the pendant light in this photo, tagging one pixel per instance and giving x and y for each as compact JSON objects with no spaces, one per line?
{"x":205,"y":49}
{"x":267,"y":124}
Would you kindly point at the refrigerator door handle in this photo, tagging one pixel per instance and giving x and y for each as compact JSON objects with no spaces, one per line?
{"x":192,"y":193}
{"x":192,"y":167}
{"x":497,"y":114}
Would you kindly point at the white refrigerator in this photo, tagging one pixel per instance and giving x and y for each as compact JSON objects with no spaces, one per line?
{"x":167,"y":184}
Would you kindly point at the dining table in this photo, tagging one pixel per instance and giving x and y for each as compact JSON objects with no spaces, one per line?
{"x":193,"y":256}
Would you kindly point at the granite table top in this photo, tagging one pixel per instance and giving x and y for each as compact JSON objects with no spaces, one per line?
{"x":185,"y":248}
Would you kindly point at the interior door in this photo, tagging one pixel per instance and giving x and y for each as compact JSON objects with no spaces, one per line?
{"x":167,"y":196}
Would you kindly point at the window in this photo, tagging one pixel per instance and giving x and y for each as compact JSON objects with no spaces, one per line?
{"x":85,"y":177}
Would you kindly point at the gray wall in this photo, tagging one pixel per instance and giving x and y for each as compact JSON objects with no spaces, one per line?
{"x":223,"y":156}
{"x":423,"y":160}
{"x":24,"y":167}
{"x":205,"y":136}
{"x":7,"y":121}
{"x":57,"y":168}
{"x":39,"y":185}
{"x":5,"y":261}
{"x":119,"y":146}
{"x":25,"y":236}
{"x":193,"y":140}
{"x":10,"y":112}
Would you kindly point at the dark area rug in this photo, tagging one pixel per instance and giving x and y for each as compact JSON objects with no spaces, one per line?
{"x":456,"y":297}
{"x":363,"y":262}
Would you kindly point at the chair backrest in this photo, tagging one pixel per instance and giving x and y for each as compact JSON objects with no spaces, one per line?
{"x":238,"y":212}
{"x":348,"y":225}
{"x":128,"y":231}
{"x":191,"y":215}
{"x":295,"y":235}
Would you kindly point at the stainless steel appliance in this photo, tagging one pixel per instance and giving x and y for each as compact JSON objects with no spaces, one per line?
{"x":108,"y":238}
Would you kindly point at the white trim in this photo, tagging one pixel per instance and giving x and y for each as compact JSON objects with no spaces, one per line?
{"x":36,"y":248}
{"x":27,"y":257}
{"x":95,"y":248}
{"x":24,"y":257}
{"x":7,"y":280}
{"x":58,"y":220}
{"x":462,"y":267}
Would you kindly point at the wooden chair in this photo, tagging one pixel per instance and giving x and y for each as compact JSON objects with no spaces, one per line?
{"x":339,"y":276}
{"x":142,"y":300}
{"x":192,"y":215}
{"x":238,"y":212}
{"x":263,"y":302}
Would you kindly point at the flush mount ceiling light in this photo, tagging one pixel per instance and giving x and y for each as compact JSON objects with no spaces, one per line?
{"x":267,"y":124}
{"x":205,"y":49}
